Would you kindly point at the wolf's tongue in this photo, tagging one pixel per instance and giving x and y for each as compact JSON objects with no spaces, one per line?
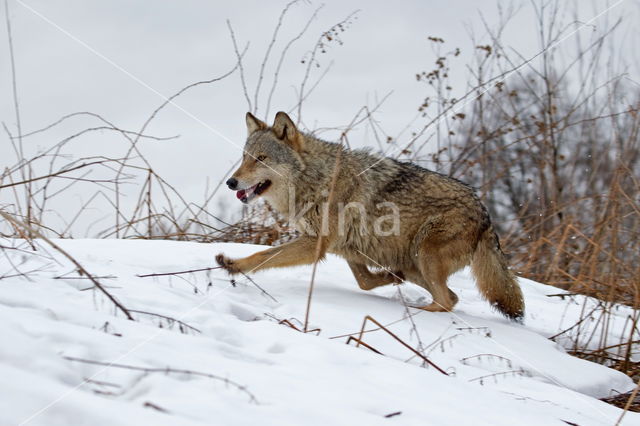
{"x":240,"y":194}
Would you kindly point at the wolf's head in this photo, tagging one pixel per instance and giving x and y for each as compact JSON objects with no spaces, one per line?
{"x":270,"y":160}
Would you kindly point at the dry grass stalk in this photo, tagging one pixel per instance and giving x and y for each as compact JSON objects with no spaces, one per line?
{"x":395,"y":337}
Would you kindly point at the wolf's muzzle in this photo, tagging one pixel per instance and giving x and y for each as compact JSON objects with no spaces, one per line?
{"x":232,"y":183}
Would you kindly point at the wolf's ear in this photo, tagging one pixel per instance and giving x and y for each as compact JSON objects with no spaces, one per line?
{"x":253,"y":124}
{"x":287,"y":131}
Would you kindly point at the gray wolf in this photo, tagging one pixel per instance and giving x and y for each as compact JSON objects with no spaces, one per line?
{"x":390,"y":220}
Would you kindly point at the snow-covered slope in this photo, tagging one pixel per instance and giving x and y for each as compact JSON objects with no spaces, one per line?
{"x":285,"y":377}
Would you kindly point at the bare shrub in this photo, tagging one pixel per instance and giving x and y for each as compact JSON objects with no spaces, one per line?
{"x":554,"y":150}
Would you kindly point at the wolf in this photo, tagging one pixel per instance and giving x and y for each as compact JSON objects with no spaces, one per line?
{"x":390,"y":220}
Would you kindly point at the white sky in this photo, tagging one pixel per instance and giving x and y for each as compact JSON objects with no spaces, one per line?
{"x":119,"y":58}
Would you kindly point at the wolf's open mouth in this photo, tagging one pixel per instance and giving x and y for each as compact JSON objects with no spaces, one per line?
{"x":248,"y":194}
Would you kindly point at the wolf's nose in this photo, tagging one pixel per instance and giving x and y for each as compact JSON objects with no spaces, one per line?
{"x":232,"y":183}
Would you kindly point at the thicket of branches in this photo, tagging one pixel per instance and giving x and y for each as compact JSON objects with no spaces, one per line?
{"x":34,"y":186}
{"x":552,"y":143}
{"x":554,"y":148}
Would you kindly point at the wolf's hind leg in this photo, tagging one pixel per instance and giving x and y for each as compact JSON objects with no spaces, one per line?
{"x":368,"y":280}
{"x":442,"y":305}
{"x":435,"y":270}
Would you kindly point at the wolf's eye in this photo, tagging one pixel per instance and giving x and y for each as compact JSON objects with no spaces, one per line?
{"x":261,"y":157}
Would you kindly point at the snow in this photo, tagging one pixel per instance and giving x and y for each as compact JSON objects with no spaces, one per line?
{"x":295,"y":378}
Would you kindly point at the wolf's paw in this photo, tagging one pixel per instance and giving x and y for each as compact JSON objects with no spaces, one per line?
{"x":227,"y":264}
{"x":435,"y":307}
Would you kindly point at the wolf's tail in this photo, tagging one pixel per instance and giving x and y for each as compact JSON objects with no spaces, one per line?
{"x":496,"y":282}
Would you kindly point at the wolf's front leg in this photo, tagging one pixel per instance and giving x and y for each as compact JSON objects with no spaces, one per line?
{"x":298,"y":252}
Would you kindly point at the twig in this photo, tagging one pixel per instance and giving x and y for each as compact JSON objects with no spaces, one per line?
{"x":167,"y":370}
{"x":239,"y":56}
{"x":274,"y":37}
{"x":155,"y":407}
{"x":402,"y":342}
{"x":60,"y":277}
{"x":170,"y":319}
{"x":91,"y":114}
{"x":276,"y":73}
{"x":14,"y":85}
{"x":320,"y":241}
{"x":259,"y":288}
{"x":162,"y":274}
{"x":465,"y":360}
{"x":502,"y":373}
{"x":133,"y":142}
{"x":312,"y":59}
{"x":366,"y":345}
{"x":81,"y":269}
{"x":585,"y":317}
{"x":563,"y":295}
{"x":50,"y":175}
{"x":632,"y":398}
{"x":290,"y":324}
{"x":414,"y":327}
{"x":340,"y":336}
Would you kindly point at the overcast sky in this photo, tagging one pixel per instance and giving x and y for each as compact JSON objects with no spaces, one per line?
{"x":121,"y":59}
